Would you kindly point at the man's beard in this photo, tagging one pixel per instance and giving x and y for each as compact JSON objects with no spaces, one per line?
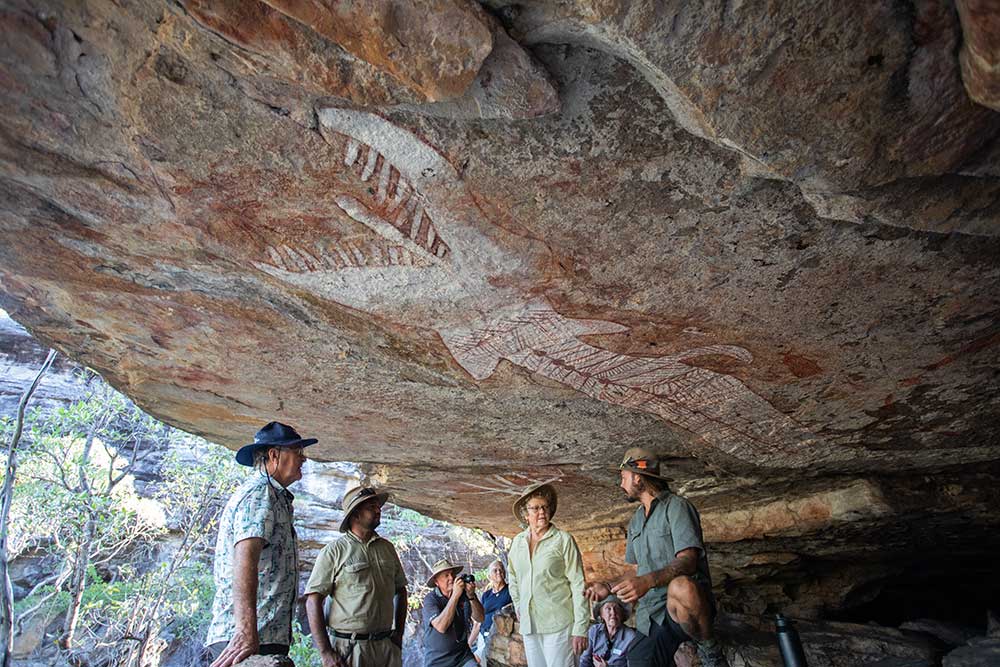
{"x":633,"y":495}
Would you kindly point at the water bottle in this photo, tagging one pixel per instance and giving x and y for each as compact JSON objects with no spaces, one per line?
{"x":789,"y":643}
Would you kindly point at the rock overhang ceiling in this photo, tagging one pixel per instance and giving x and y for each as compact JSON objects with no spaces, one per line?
{"x":761,"y":240}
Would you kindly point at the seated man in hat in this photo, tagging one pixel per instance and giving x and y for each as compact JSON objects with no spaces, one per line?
{"x":256,"y":580}
{"x":609,"y":639}
{"x":362,"y":575}
{"x":671,"y":582}
{"x":448,"y":612}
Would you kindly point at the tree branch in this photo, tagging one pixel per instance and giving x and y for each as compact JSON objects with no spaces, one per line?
{"x":7,"y":495}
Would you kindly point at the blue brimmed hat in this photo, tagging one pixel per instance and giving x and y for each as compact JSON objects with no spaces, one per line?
{"x":274,"y":434}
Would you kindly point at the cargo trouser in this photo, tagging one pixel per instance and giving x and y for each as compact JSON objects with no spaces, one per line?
{"x":368,"y":652}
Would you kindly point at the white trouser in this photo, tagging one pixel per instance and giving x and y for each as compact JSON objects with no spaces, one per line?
{"x":480,"y":651}
{"x":554,"y":649}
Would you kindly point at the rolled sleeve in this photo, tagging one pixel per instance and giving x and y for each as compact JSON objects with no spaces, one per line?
{"x":323,"y":572}
{"x":254,"y":516}
{"x":431,"y":607}
{"x":685,"y":527}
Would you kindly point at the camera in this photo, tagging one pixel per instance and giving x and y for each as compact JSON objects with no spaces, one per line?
{"x":468,"y":579}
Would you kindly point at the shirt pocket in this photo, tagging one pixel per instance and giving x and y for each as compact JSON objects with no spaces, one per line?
{"x":356,"y":577}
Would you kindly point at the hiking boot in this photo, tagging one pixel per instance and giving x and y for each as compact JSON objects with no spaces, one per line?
{"x":710,"y":654}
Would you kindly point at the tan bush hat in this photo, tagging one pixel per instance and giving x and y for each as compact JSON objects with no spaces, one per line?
{"x":643,"y":462}
{"x":519,"y":503}
{"x":612,"y":599}
{"x":354,"y":498}
{"x":442,"y":565}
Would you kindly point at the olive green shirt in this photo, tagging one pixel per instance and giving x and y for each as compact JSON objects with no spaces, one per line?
{"x":361,"y":580}
{"x":547,"y":587}
{"x":653,"y":542}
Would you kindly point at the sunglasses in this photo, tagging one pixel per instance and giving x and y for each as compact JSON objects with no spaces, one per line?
{"x":629,"y":462}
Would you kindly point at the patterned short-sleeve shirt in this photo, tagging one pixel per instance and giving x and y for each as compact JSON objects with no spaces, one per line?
{"x":259,"y":508}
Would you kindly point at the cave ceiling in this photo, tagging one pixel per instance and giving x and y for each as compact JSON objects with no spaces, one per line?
{"x":473,"y":246}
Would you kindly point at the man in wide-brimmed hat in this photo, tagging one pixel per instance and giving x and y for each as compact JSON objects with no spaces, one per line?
{"x":609,"y":639}
{"x":671,"y":583}
{"x":548,"y":599}
{"x":449,"y":609}
{"x":363,"y":577}
{"x":256,"y":576}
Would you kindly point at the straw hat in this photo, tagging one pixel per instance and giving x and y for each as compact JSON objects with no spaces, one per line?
{"x":519,"y":503}
{"x":354,"y":498}
{"x":612,"y":599}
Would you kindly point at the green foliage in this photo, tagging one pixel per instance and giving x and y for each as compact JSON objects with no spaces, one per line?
{"x":186,"y":607}
{"x":75,"y":500}
{"x":302,"y":652}
{"x":52,"y":602}
{"x":413,"y":517}
{"x":72,"y":485}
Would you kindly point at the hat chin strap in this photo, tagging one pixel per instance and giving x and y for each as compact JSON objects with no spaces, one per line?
{"x":267,"y":473}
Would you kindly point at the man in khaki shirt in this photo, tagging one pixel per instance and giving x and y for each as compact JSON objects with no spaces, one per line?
{"x":364,"y":579}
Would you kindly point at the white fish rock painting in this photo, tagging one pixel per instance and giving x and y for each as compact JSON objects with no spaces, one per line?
{"x":434,"y":267}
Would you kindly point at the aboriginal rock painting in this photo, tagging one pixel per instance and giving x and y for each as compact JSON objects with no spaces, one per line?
{"x":433,"y":266}
{"x":513,"y":484}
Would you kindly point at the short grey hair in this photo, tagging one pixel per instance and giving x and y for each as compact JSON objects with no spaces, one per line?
{"x":545,"y":493}
{"x":502,"y":568}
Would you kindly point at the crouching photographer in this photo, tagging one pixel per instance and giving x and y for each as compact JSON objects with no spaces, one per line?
{"x":448,"y":612}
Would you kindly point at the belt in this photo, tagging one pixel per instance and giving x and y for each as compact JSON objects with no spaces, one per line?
{"x":363,"y":636}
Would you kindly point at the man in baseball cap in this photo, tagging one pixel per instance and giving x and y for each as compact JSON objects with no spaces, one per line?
{"x":671,"y":583}
{"x":361,"y":574}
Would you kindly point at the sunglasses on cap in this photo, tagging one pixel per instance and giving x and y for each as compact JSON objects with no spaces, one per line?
{"x":629,"y":462}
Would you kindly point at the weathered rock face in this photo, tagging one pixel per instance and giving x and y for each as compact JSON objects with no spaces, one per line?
{"x":318,"y":498}
{"x":760,"y":239}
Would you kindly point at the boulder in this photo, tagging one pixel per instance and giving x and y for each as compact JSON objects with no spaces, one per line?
{"x":950,"y":634}
{"x":980,"y":652}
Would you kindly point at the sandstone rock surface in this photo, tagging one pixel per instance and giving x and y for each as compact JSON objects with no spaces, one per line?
{"x":759,"y":238}
{"x":980,"y":56}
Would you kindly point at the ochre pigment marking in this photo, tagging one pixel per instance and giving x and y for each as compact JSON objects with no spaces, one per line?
{"x":511,"y":487}
{"x":417,"y":201}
